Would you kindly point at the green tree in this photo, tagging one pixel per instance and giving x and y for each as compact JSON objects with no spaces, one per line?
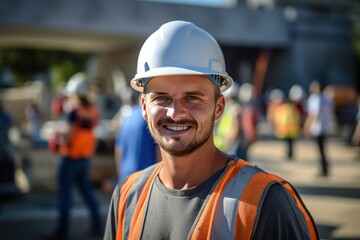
{"x":24,"y":64}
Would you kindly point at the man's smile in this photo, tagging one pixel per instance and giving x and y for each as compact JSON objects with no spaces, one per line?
{"x":177,"y":128}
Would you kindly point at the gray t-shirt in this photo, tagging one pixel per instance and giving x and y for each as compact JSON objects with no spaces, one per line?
{"x":174,"y":211}
{"x":171,"y":213}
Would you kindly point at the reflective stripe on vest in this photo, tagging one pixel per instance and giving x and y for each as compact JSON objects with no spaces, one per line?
{"x":132,"y":198}
{"x":231,"y":211}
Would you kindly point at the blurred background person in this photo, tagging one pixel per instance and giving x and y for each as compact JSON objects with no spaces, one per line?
{"x":285,"y":120}
{"x":356,"y":134}
{"x":275,"y":98}
{"x":227,"y":128}
{"x":318,"y":121}
{"x":34,"y":122}
{"x":249,"y":118}
{"x":135,"y":149}
{"x":355,"y":140}
{"x":76,"y":147}
{"x":236,"y":129}
{"x":57,"y":110}
{"x":7,"y":155}
{"x":297,"y":96}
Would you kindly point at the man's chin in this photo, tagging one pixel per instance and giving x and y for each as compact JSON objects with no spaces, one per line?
{"x":177,"y":151}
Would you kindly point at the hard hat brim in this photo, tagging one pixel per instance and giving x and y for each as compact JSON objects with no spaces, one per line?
{"x":173,"y":71}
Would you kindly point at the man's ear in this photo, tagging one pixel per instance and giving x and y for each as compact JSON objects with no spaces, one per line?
{"x":143,"y":107}
{"x":219,"y":108}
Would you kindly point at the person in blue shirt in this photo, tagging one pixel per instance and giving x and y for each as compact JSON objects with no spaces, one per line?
{"x":135,"y":149}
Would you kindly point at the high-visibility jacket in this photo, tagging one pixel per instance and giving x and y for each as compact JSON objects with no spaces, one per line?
{"x":224,"y":128}
{"x":82,"y":140}
{"x":239,"y":213}
{"x":287,"y":121}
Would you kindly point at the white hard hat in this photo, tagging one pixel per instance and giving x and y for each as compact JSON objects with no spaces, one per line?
{"x":246,"y":92}
{"x":296,"y":93}
{"x":181,"y":48}
{"x":76,"y":85}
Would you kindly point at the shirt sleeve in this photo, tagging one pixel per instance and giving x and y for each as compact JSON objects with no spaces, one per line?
{"x":280,"y":218}
{"x":112,"y":218}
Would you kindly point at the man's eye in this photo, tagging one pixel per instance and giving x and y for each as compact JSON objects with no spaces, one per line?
{"x":190,"y":98}
{"x":160,"y":98}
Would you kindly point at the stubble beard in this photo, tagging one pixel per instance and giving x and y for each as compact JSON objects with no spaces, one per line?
{"x":176,"y":146}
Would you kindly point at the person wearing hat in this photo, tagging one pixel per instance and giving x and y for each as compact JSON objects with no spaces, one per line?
{"x":77,"y":144}
{"x":196,"y":191}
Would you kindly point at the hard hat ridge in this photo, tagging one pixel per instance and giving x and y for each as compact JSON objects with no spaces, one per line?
{"x":181,"y":48}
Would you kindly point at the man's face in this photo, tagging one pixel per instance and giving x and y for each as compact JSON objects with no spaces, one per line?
{"x":180,"y":111}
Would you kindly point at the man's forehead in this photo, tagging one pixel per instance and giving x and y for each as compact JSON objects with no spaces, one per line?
{"x":179,"y":82}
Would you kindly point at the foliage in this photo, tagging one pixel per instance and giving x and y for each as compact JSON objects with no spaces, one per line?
{"x":26,"y":64}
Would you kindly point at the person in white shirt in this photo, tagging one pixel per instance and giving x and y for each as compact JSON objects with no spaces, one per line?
{"x":318,"y":121}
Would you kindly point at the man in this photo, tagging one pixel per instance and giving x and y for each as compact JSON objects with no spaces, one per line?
{"x":197,"y":191}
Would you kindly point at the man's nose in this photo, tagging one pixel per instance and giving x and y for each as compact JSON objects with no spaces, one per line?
{"x":176,"y":110}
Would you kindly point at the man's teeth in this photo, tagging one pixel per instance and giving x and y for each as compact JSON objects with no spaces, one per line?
{"x":176,"y":128}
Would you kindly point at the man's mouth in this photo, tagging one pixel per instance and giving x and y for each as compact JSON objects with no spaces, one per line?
{"x":176,"y":128}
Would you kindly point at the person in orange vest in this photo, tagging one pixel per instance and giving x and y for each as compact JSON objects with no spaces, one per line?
{"x":196,"y":191}
{"x":76,"y":146}
{"x":286,"y":122}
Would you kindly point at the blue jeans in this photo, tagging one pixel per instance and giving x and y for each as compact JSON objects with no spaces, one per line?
{"x":70,"y":173}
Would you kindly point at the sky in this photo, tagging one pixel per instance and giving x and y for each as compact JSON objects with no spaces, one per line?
{"x":214,"y":3}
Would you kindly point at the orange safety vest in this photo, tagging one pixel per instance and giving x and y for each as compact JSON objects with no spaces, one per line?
{"x":82,"y":141}
{"x":243,"y":203}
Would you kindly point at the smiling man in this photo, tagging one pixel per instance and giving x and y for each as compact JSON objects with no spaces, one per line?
{"x":197,"y":191}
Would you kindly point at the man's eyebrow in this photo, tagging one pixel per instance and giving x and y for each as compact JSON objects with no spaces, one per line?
{"x":197,"y":93}
{"x":156,"y":93}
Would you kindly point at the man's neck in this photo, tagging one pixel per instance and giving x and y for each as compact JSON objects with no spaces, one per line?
{"x":188,"y":171}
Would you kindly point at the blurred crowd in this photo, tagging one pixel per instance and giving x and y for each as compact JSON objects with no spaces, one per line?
{"x":288,"y":116}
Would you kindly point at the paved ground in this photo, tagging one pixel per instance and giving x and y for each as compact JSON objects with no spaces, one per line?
{"x":333,"y":201}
